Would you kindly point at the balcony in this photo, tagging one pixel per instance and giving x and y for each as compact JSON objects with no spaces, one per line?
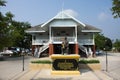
{"x":40,"y":41}
{"x":60,"y":39}
{"x":86,"y":41}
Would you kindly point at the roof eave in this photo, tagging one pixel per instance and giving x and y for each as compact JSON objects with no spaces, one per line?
{"x":97,"y":31}
{"x":34,"y":31}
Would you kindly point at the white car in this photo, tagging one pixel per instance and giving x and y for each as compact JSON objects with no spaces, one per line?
{"x":6,"y":52}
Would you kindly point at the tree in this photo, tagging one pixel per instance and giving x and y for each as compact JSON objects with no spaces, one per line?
{"x":12,"y":32}
{"x":116,"y":8}
{"x":102,"y":42}
{"x":117,"y":45}
{"x":3,"y":3}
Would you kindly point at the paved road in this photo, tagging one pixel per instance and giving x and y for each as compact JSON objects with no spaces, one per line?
{"x":113,"y":65}
{"x":12,"y":66}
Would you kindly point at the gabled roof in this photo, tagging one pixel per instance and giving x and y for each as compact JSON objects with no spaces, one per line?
{"x":89,"y":28}
{"x":63,"y":15}
{"x":35,"y":29}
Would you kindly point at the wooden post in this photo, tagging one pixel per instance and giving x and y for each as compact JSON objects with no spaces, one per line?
{"x":33,"y":49}
{"x":51,"y":49}
{"x":94,"y":55}
{"x":76,"y":49}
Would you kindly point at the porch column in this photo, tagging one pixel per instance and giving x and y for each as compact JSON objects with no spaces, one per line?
{"x":76,"y":48}
{"x":76,"y":34}
{"x":33,"y":50}
{"x":51,"y":49}
{"x":94,"y":55}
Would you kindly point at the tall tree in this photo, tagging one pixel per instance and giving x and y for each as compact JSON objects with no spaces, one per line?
{"x":102,"y":42}
{"x":117,"y":45}
{"x":12,"y":32}
{"x":116,"y":8}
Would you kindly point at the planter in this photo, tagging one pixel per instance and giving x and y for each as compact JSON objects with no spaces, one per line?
{"x":35,"y":66}
{"x":94,"y":66}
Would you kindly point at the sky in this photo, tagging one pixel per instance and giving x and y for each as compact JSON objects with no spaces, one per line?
{"x":93,"y":12}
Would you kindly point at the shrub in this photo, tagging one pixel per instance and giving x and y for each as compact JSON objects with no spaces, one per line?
{"x":89,"y":61}
{"x":41,"y":62}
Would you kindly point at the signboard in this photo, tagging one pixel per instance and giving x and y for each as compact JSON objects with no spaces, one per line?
{"x":65,"y":64}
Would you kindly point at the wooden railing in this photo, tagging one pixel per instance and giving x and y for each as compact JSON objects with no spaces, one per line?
{"x":60,"y":39}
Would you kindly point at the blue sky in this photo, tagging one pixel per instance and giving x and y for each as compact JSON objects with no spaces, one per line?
{"x":92,"y":12}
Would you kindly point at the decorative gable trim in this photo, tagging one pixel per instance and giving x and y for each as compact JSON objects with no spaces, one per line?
{"x":60,"y":16}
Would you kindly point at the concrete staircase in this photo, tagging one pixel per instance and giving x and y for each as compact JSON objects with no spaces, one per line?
{"x":43,"y":48}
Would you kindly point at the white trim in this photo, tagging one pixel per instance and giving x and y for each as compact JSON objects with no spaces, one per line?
{"x":48,"y":21}
{"x":90,"y":31}
{"x":76,"y":19}
{"x":34,"y":31}
{"x":50,"y":34}
{"x":63,"y":18}
{"x":93,"y":38}
{"x":63,"y":25}
{"x":76,"y":34}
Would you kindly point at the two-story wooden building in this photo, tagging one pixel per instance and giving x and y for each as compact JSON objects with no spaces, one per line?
{"x":49,"y":36}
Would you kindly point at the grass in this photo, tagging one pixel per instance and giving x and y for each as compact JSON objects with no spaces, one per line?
{"x":89,"y":61}
{"x":81,"y":61}
{"x":41,"y":62}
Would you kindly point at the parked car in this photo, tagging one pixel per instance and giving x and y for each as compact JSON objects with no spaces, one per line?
{"x":6,"y":52}
{"x":99,"y":52}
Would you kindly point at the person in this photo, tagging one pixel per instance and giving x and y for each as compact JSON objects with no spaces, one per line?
{"x":65,"y":46}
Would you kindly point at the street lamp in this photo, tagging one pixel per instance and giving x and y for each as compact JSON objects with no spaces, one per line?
{"x":106,"y":55}
{"x":23,"y":60}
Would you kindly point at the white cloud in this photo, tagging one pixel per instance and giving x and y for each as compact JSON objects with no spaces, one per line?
{"x":71,"y":12}
{"x":103,"y":16}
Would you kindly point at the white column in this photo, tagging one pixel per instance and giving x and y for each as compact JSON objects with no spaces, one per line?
{"x":50,"y":34}
{"x":93,"y":39}
{"x":76,"y":33}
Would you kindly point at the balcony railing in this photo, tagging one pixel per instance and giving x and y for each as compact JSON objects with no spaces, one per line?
{"x":39,"y":42}
{"x":60,"y":39}
{"x":86,"y":41}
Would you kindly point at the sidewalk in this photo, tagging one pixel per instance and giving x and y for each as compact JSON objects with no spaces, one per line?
{"x":45,"y":74}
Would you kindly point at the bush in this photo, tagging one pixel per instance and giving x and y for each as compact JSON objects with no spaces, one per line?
{"x":41,"y":62}
{"x":89,"y":61}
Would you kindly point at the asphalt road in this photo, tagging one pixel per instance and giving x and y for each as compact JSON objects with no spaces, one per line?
{"x":11,"y":67}
{"x":113,"y":69}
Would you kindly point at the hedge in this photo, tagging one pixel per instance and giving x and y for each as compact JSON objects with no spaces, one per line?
{"x":89,"y":61}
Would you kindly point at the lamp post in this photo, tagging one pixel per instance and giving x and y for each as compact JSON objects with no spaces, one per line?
{"x":106,"y":62}
{"x":106,"y":55}
{"x":23,"y":60}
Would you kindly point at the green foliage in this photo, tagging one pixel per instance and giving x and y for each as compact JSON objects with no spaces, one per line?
{"x":102,"y":42}
{"x":116,"y":8}
{"x":89,"y":61}
{"x":41,"y":62}
{"x":12,"y":32}
{"x":117,"y":45}
{"x":3,"y":3}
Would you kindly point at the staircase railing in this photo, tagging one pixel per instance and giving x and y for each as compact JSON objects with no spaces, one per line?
{"x":43,"y":48}
{"x":84,"y":49}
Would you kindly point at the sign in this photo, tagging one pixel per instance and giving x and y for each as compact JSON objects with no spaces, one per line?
{"x":65,"y":64}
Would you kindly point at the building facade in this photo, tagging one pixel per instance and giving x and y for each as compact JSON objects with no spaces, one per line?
{"x":49,"y":36}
